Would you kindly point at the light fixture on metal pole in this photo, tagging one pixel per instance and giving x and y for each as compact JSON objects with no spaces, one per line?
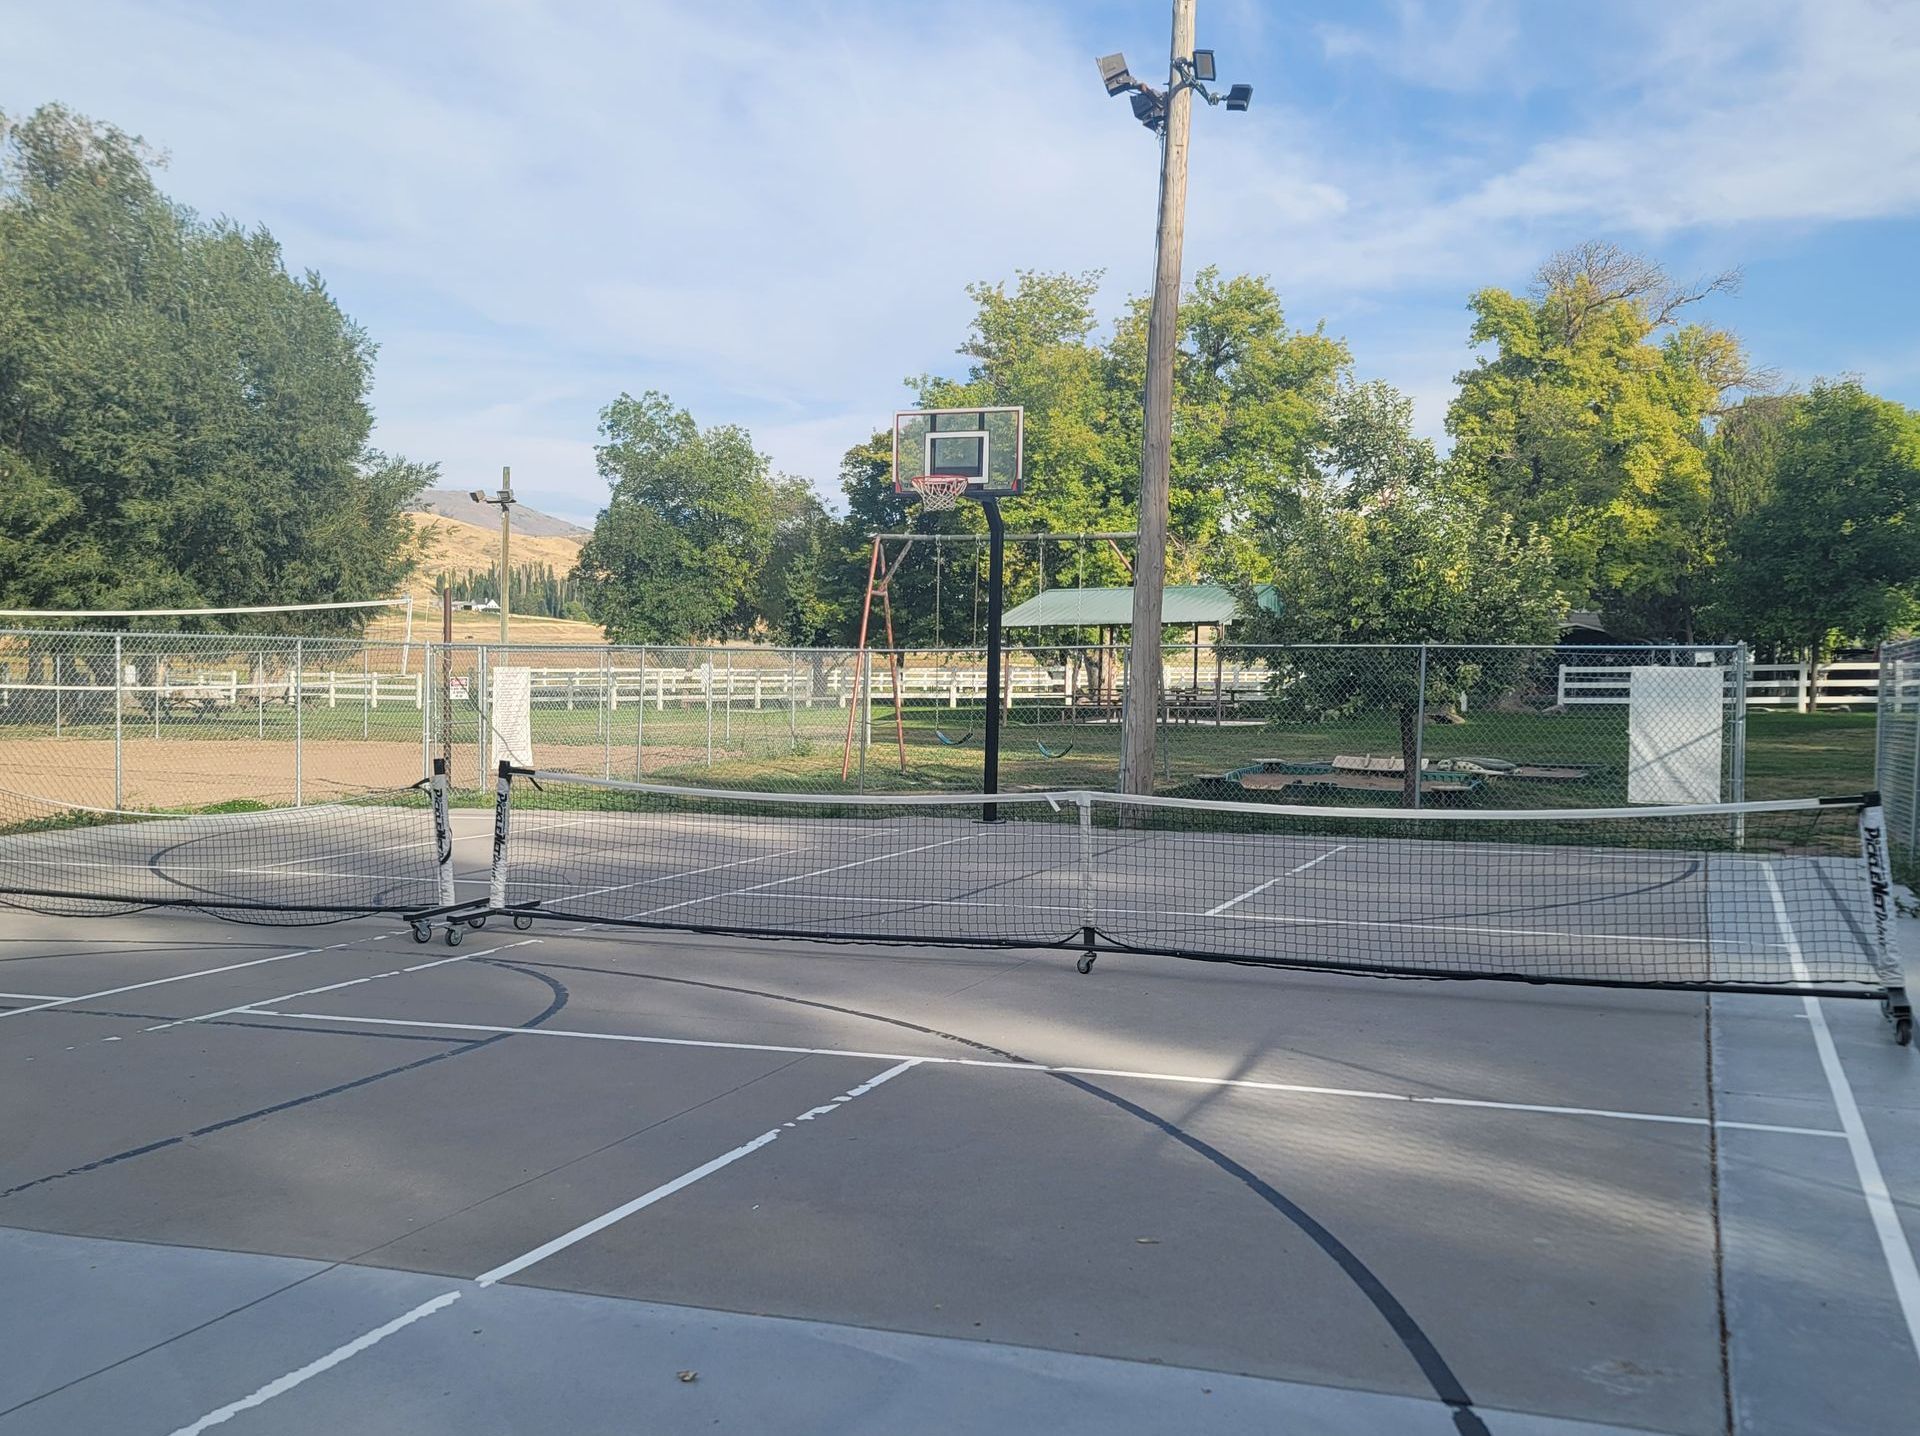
{"x":1167,"y":114}
{"x":505,"y":499}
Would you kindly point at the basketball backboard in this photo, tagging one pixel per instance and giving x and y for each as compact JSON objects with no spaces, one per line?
{"x":982,"y":446}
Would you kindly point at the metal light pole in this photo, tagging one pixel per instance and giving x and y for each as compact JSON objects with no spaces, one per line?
{"x":505,"y":499}
{"x":1168,"y":115}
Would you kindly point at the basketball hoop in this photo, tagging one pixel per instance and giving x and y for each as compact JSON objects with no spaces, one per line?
{"x":937,"y":492}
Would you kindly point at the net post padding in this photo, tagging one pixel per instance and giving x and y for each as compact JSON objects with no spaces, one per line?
{"x":1891,"y":970}
{"x":502,"y":819}
{"x":442,"y":832}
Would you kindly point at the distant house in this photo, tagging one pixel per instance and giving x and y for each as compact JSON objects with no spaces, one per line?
{"x":485,"y":605}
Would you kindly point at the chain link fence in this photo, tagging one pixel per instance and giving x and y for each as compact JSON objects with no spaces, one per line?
{"x":164,"y":722}
{"x":1897,"y":753}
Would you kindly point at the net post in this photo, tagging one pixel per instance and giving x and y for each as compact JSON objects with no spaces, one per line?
{"x":502,"y":818}
{"x":119,"y":702}
{"x":1420,"y":730}
{"x":1084,"y":801}
{"x":442,"y":834}
{"x":1886,"y":950}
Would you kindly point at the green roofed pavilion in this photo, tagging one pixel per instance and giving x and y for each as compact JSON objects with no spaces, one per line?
{"x":1192,"y":603}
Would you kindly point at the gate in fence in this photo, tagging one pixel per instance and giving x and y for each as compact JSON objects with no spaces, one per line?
{"x":1897,"y":752}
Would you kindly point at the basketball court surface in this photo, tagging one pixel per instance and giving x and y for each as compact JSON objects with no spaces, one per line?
{"x":596,"y":1180}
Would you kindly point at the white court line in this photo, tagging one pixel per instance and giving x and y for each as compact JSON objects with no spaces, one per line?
{"x":1256,"y":891}
{"x":187,"y":976}
{"x":31,"y":997}
{"x":279,"y":1386}
{"x":689,"y":873}
{"x":1894,"y":1246}
{"x":667,"y":1189}
{"x":1397,"y":924}
{"x":283,"y":1384}
{"x":336,"y":986}
{"x":1246,"y":1083}
{"x":802,"y":877}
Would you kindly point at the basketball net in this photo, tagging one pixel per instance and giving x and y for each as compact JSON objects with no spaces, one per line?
{"x":939,"y":491}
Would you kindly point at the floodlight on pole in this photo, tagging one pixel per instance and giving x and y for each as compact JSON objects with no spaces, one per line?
{"x":1113,"y":74}
{"x":1203,"y":65}
{"x":505,"y":500}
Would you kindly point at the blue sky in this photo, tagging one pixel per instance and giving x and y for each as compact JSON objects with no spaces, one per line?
{"x":770,"y":210}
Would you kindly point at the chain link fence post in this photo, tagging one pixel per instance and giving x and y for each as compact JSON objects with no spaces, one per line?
{"x":1420,"y":730}
{"x":119,"y":702}
{"x":1741,"y":670}
{"x":299,"y":725}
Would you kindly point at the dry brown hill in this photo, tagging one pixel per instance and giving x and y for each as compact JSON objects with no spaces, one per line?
{"x":454,"y":546}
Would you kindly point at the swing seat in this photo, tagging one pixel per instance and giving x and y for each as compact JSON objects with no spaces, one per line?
{"x":1046,"y":752}
{"x":947,"y":740}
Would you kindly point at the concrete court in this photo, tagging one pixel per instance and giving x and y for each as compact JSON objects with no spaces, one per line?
{"x":274,"y":1181}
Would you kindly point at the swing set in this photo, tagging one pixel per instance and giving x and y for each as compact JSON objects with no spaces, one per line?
{"x":889,"y":553}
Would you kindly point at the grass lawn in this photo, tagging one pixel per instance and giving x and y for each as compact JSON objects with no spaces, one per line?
{"x":1806,"y":755}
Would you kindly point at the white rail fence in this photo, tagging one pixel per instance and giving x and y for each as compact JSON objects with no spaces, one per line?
{"x":1769,"y":685}
{"x":204,"y":691}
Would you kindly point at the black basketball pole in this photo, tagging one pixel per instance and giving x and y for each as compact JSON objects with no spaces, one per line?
{"x":996,"y":554}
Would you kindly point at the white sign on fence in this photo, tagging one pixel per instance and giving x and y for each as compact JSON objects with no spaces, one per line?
{"x":510,"y":725}
{"x":1674,"y":719}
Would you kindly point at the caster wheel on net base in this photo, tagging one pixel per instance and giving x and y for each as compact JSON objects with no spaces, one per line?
{"x":1903,"y":1031}
{"x":423,"y":932}
{"x":454,"y":934}
{"x":476,"y":923}
{"x":1085,"y":964}
{"x":522,"y":922}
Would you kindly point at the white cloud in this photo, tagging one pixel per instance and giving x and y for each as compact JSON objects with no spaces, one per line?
{"x":1448,"y":47}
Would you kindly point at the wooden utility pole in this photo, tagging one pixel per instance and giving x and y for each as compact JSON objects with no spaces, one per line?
{"x":1142,"y":703}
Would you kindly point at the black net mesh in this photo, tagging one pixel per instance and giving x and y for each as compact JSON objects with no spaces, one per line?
{"x":1762,"y":894}
{"x":317,"y":863}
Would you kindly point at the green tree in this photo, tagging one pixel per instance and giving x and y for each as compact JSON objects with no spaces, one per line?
{"x":687,"y":529}
{"x":1250,"y":401}
{"x":1589,"y":422}
{"x":1400,"y":563}
{"x":794,"y":597}
{"x":1831,"y":548}
{"x":182,"y":423}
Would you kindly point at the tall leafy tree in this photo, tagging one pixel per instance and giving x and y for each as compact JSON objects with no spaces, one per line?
{"x":686,"y":532}
{"x":1251,"y":394}
{"x":1406,"y":559}
{"x":1589,"y":420}
{"x":795,"y":597}
{"x":182,"y":422}
{"x":1832,"y":547}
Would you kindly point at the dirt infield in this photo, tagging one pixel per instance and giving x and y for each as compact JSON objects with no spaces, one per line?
{"x":199,"y":772}
{"x":189,"y":772}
